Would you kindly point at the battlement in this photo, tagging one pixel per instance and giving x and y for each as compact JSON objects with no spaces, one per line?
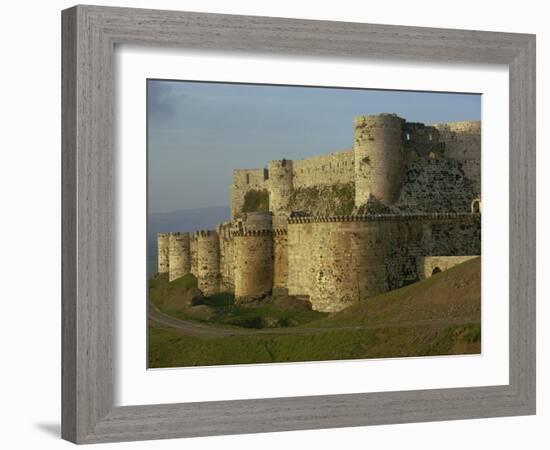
{"x":204,"y":233}
{"x":382,"y":217}
{"x":253,"y":233}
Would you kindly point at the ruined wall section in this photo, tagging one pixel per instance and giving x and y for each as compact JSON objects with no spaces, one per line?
{"x":435,"y":185}
{"x":208,"y":261}
{"x":162,"y":252}
{"x":179,"y":256}
{"x":421,"y":141}
{"x":463,"y":143}
{"x":324,"y":200}
{"x":452,"y":235}
{"x":324,"y":170}
{"x":379,"y":158}
{"x":245,"y":180}
{"x":472,"y":170}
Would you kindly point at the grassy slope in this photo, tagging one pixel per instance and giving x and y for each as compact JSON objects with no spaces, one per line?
{"x":169,"y":299}
{"x":438,"y":316}
{"x":451,"y":295}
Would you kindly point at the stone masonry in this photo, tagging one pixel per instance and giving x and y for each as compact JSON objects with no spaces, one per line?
{"x":402,"y":204}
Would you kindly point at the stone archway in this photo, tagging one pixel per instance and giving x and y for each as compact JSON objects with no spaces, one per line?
{"x":436,"y":270}
{"x":476,"y":206}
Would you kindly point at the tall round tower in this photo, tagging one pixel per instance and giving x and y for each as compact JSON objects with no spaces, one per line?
{"x":208,"y":262}
{"x":162,"y":252}
{"x":179,"y":257}
{"x":379,"y":161}
{"x":253,"y":264}
{"x":280,"y":185}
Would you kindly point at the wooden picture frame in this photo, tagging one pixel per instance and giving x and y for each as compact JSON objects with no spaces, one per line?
{"x":90,"y":34}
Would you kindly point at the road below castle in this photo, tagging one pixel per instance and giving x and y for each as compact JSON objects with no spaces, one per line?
{"x":198,"y":329}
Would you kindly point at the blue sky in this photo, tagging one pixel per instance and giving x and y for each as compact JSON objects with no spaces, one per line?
{"x":199,"y":132}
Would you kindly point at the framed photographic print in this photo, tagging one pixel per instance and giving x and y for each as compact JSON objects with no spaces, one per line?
{"x":290,"y":215}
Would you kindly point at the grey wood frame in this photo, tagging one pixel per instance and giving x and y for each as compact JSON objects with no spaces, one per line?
{"x":89,"y":37}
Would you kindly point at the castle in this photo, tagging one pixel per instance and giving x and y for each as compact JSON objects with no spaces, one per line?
{"x":403,"y":203}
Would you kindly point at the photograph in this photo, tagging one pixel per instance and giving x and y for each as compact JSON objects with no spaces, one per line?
{"x":296,"y":223}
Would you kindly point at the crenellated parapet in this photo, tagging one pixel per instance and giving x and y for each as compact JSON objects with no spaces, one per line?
{"x":383,"y":217}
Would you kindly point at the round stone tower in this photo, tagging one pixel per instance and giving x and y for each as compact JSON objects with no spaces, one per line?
{"x":253,"y":264}
{"x":179,"y":257}
{"x":280,"y":185}
{"x":379,"y":161}
{"x":208,"y":262}
{"x":162,"y":252}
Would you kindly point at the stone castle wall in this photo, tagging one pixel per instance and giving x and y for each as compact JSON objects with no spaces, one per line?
{"x":339,"y":261}
{"x":388,"y":156}
{"x":429,"y":265}
{"x":433,"y":185}
{"x":462,"y":139}
{"x":332,"y":168}
{"x":334,"y":261}
{"x":246,"y":180}
{"x":344,"y":226}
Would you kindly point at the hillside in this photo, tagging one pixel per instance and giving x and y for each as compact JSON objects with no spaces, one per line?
{"x":437,"y":316}
{"x":451,"y":295}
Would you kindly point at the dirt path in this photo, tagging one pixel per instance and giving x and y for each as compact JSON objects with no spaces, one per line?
{"x":199,"y":329}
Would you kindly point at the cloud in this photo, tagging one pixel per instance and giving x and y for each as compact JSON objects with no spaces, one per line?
{"x":163,"y":98}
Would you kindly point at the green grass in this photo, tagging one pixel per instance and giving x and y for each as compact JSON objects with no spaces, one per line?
{"x":164,"y":293}
{"x":168,"y":298}
{"x":451,"y":295}
{"x":256,"y":201}
{"x":168,"y":349}
{"x":437,"y":316}
{"x":265,"y":316}
{"x":336,"y":199}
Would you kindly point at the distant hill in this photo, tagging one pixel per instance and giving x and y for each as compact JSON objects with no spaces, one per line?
{"x":183,"y":220}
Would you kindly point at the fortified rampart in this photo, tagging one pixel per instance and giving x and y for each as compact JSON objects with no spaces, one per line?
{"x":336,"y":261}
{"x":391,"y":161}
{"x":338,"y":228}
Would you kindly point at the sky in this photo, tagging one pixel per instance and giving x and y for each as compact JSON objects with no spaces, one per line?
{"x":198,"y":132}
